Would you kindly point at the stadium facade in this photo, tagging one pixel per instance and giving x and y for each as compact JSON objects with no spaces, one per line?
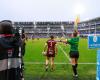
{"x":89,"y":27}
{"x":59,"y":29}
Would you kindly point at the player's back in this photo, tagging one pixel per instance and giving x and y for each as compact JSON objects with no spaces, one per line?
{"x":51,"y":45}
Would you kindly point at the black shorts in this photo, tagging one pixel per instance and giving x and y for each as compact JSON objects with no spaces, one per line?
{"x":74,"y":54}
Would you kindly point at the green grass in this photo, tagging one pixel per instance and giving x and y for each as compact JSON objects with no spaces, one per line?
{"x":62,"y":71}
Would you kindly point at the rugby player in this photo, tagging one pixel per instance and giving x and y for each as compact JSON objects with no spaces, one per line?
{"x":51,"y":50}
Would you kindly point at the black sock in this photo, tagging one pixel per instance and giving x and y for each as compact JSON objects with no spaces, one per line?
{"x":76,"y":65}
{"x":74,"y":69}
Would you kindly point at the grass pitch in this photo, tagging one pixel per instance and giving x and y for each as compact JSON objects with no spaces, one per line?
{"x":35,"y":68}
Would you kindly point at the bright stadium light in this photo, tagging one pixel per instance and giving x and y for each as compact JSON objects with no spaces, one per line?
{"x":79,"y":9}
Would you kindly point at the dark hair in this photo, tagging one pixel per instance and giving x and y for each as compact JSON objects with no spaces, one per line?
{"x":52,"y":37}
{"x":6,"y":27}
{"x":75,"y":33}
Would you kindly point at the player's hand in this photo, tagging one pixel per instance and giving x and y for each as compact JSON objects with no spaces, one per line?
{"x":44,"y":53}
{"x":60,"y":40}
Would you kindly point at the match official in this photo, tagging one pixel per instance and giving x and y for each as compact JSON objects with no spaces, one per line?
{"x":74,"y":52}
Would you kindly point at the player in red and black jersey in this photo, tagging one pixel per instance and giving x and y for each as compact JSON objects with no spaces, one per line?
{"x":51,"y":51}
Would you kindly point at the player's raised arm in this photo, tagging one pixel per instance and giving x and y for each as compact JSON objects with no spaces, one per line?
{"x":76,"y":31}
{"x":64,"y":41}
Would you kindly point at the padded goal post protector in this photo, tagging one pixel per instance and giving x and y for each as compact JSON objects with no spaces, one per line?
{"x":93,"y":43}
{"x":98,"y":65}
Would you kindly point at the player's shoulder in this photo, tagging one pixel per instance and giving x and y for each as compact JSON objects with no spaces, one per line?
{"x":54,"y":41}
{"x":51,"y":40}
{"x":48,"y":40}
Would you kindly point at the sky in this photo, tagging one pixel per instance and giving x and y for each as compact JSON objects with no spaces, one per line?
{"x":49,"y":10}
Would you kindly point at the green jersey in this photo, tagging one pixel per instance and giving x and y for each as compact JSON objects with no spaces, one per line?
{"x":73,"y":42}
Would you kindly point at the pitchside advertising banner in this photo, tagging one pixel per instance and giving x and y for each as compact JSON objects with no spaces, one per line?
{"x":94,"y":42}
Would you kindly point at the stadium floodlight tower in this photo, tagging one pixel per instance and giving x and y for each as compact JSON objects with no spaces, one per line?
{"x":20,"y":31}
{"x":62,"y":28}
{"x":34,"y":28}
{"x":95,"y":28}
{"x":35,"y":25}
{"x":48,"y":30}
{"x":89,"y":30}
{"x":13,"y":24}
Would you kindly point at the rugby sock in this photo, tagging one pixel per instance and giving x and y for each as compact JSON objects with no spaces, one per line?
{"x":52,"y":67}
{"x":74,"y":69}
{"x":76,"y":65}
{"x":46,"y":67}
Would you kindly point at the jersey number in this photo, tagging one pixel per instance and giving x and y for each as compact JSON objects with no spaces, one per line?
{"x":51,"y":44}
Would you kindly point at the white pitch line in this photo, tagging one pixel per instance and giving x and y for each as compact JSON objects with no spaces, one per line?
{"x":64,"y":53}
{"x":56,"y":63}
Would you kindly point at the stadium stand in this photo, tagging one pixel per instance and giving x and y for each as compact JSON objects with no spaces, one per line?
{"x":59,"y":29}
{"x":45,"y":29}
{"x":89,"y":27}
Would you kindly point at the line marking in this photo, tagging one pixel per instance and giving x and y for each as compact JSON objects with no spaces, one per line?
{"x":56,"y":63}
{"x":65,"y":53}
